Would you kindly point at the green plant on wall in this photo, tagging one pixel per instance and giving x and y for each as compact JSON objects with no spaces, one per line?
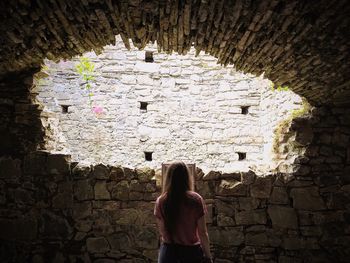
{"x":275,"y":87}
{"x":86,"y":69}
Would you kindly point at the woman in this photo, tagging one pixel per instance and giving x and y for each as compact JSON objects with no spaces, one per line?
{"x":180,"y":214}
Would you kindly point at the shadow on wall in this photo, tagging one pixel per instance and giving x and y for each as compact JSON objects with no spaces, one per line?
{"x":21,"y":128}
{"x":53,"y":209}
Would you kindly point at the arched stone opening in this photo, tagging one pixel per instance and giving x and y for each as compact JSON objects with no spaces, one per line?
{"x":300,"y":215}
{"x":178,"y":107}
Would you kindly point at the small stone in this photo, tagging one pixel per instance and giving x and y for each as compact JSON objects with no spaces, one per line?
{"x":248,"y":178}
{"x":145,"y":174}
{"x":81,"y":171}
{"x":129,"y":173}
{"x":119,"y":191}
{"x":223,"y":220}
{"x":117,"y":173}
{"x":101,"y":192}
{"x":97,"y":245}
{"x":101,"y":171}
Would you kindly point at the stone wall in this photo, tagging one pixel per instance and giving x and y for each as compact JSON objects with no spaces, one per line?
{"x":54,"y":210}
{"x":276,"y":106}
{"x":21,"y":128}
{"x":194,"y":110}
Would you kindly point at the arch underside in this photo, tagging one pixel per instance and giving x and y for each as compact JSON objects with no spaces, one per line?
{"x":301,"y":44}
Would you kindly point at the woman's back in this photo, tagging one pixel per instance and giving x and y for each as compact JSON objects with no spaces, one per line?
{"x":190,"y":210}
{"x":180,"y":217}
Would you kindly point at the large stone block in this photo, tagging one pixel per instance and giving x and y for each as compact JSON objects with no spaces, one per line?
{"x":225,"y":208}
{"x":256,"y":239}
{"x":248,"y":203}
{"x":231,"y":188}
{"x":307,"y":198}
{"x":58,"y":164}
{"x":120,"y":190}
{"x":226,"y":236}
{"x":251,"y":217}
{"x":261,"y":187}
{"x":120,"y":241}
{"x":279,"y":196}
{"x":283,"y":217}
{"x":133,"y":216}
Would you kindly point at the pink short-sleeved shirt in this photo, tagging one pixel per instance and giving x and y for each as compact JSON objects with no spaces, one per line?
{"x":186,"y":228}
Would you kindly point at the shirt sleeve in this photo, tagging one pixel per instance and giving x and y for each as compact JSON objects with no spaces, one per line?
{"x":157,"y":211}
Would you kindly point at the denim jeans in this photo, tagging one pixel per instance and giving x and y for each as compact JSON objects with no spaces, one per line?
{"x":174,"y":253}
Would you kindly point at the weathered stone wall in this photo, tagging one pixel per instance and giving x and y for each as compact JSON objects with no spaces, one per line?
{"x":276,"y":106}
{"x":53,"y":210}
{"x":21,"y":128}
{"x":194,"y":110}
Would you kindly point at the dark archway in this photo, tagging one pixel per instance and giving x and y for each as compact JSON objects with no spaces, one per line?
{"x":52,"y":210}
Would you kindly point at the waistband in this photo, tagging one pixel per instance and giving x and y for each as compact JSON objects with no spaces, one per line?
{"x":180,"y":245}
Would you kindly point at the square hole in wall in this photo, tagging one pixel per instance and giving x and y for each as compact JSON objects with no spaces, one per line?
{"x":143,"y":106}
{"x":149,"y":57}
{"x":242,"y":156}
{"x":244,"y":110}
{"x":148,"y":156}
{"x":64,"y":108}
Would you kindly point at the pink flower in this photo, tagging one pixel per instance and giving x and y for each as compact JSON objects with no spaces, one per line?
{"x":97,"y":110}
